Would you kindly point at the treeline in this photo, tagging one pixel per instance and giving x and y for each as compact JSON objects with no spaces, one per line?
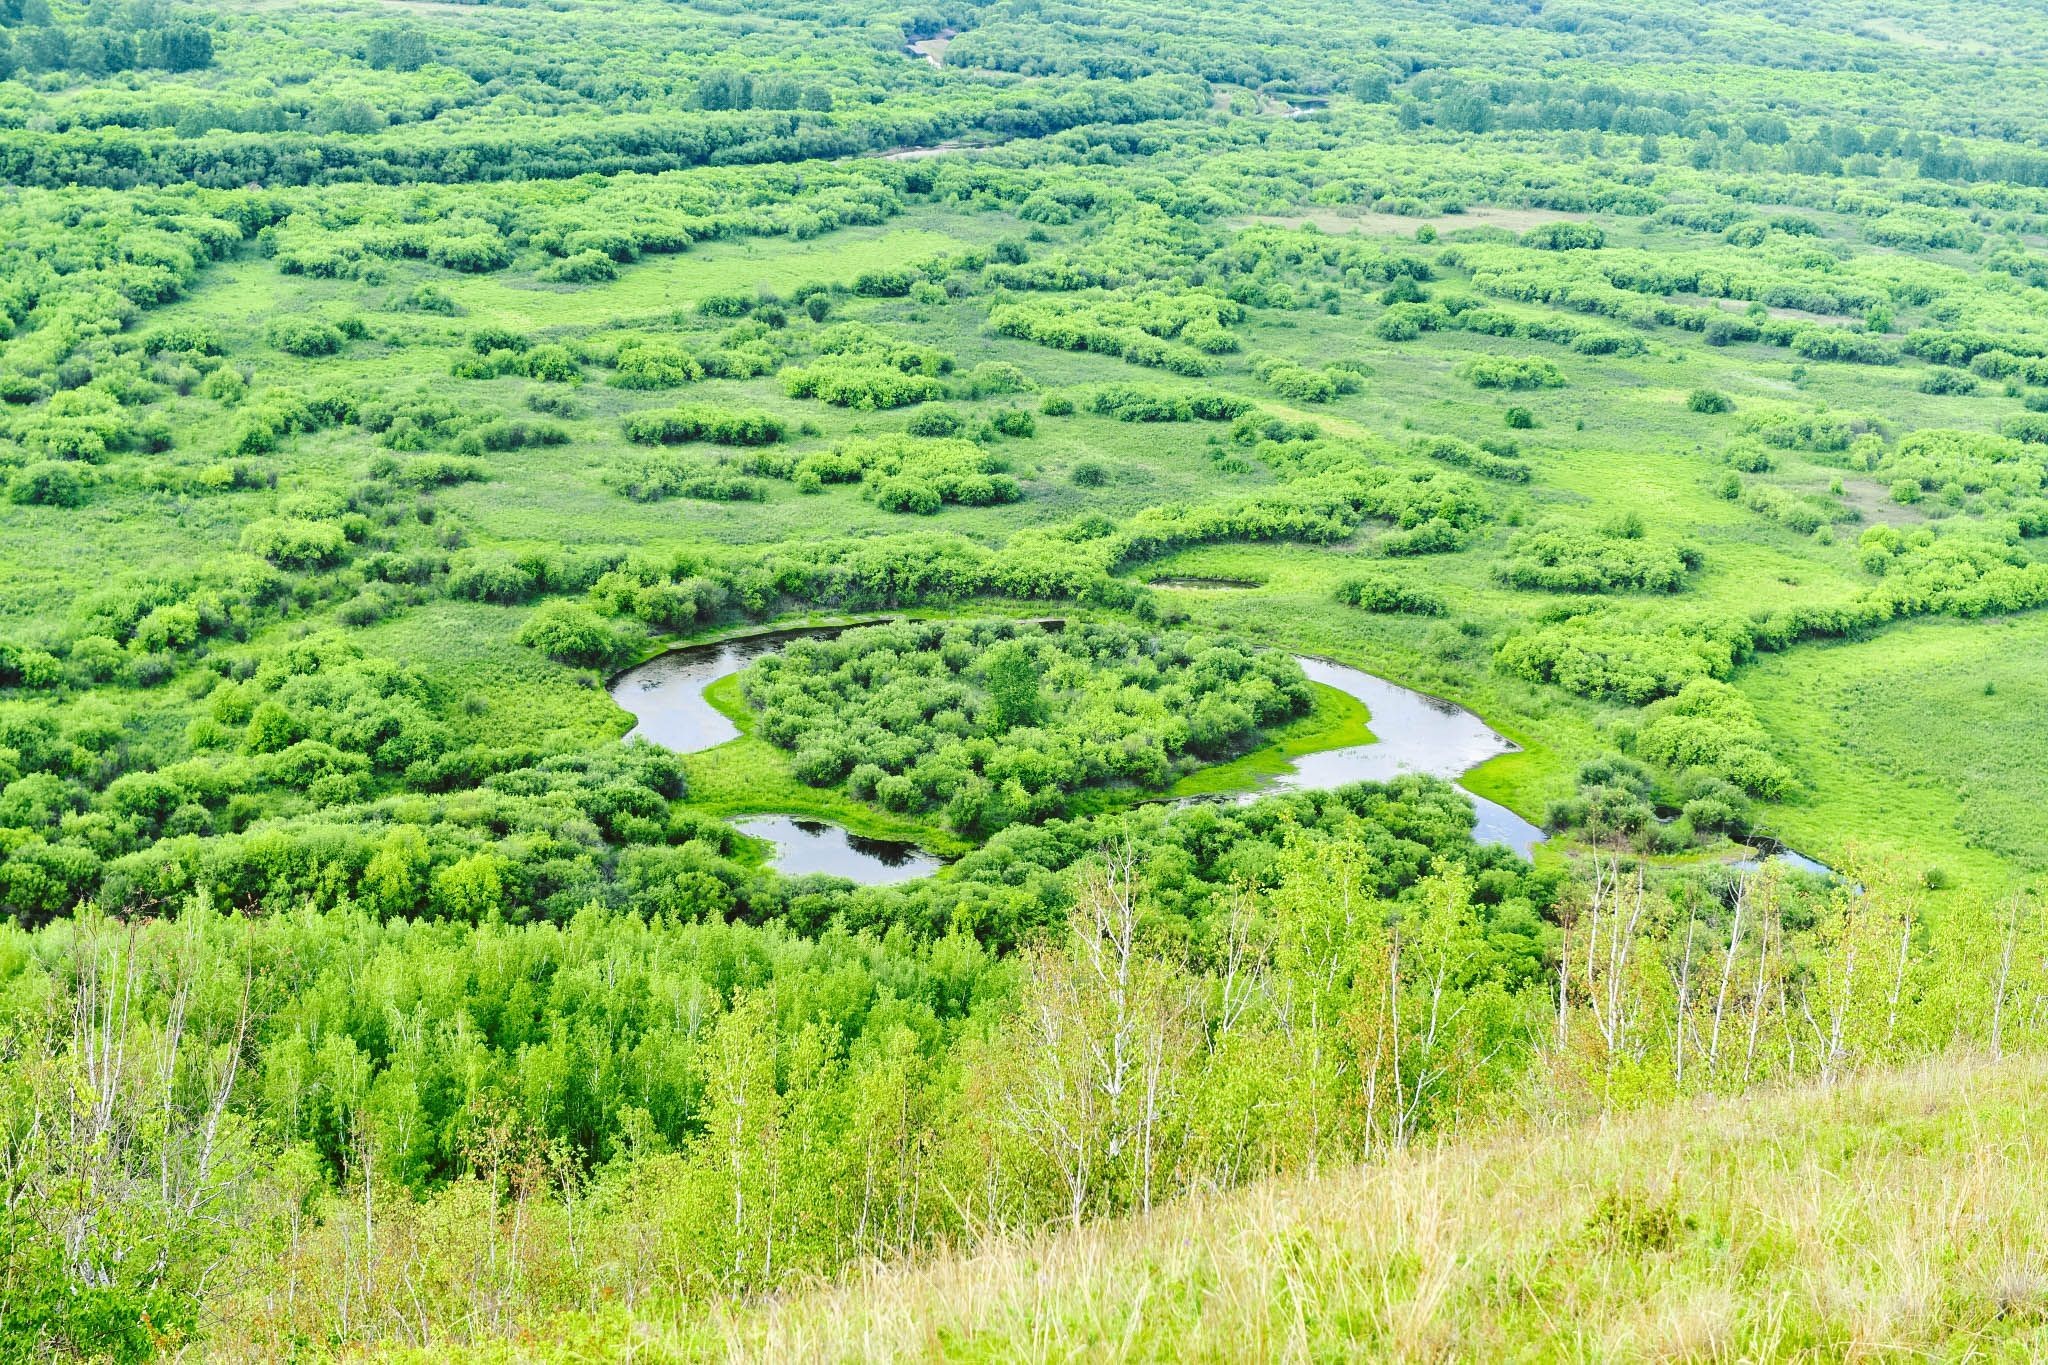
{"x":116,"y":38}
{"x":344,"y":1052}
{"x":116,"y":158}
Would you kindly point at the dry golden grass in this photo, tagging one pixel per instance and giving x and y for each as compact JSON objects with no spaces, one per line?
{"x":1902,"y":1214}
{"x":1897,"y":1214}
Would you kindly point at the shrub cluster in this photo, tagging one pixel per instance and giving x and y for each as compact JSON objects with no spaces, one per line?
{"x":997,"y":722}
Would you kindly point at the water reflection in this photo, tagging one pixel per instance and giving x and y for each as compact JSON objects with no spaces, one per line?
{"x":1413,"y":733}
{"x":666,"y":695}
{"x":1770,"y":850}
{"x":809,"y":846}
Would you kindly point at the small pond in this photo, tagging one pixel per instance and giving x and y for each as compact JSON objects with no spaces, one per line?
{"x":807,"y":846}
{"x":1205,"y":584}
{"x":1770,"y":850}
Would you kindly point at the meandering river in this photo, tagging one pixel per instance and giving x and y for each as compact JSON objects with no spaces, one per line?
{"x":1413,"y":733}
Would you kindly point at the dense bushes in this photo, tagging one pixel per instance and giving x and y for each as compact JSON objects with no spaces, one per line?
{"x":1173,"y":331}
{"x":1511,"y":372}
{"x":860,"y":383}
{"x":570,"y":633}
{"x":1575,"y":559}
{"x":702,"y":422}
{"x":1802,"y":430}
{"x":1710,"y":725}
{"x":295,"y":542}
{"x":1130,"y":403}
{"x":1386,"y":594}
{"x":654,"y":477}
{"x":585,"y":267}
{"x":1565,"y":236}
{"x":306,"y":337}
{"x":1490,"y":459}
{"x":50,"y":483}
{"x":1630,"y":660}
{"x":903,"y":474}
{"x":1299,"y":384}
{"x":996,"y":723}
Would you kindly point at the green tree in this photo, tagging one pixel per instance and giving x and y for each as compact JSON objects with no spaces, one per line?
{"x":1013,"y":688}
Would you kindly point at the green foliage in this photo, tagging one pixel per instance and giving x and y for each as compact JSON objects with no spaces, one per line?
{"x":306,"y":337}
{"x":702,"y":422}
{"x":993,"y":726}
{"x":1571,"y":559}
{"x":50,"y":483}
{"x":866,"y":385}
{"x":1130,"y":403}
{"x":1386,"y":594}
{"x":295,"y":542}
{"x":1710,"y":725}
{"x":1708,"y":401}
{"x":571,"y":633}
{"x":311,"y":551}
{"x":1511,"y":372}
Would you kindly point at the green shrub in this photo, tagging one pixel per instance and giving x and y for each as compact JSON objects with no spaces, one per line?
{"x":703,"y":422}
{"x":295,"y":542}
{"x":1013,"y":422}
{"x":571,"y":633}
{"x":1130,"y":403}
{"x":585,"y":267}
{"x":50,"y":483}
{"x":865,"y":385}
{"x":1511,"y":372}
{"x":1385,"y":594}
{"x":306,"y":337}
{"x":936,"y":421}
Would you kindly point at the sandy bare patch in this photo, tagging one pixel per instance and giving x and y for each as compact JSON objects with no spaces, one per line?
{"x":933,"y":49}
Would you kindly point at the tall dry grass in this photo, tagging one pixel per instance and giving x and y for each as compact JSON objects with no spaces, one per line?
{"x":1894,"y":1214}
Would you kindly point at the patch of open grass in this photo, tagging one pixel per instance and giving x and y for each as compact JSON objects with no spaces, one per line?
{"x":749,"y":776}
{"x":1338,"y":721}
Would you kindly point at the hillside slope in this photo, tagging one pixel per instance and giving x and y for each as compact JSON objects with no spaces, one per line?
{"x":1905,"y":1212}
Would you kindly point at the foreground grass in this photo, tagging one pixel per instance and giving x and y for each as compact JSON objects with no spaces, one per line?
{"x":1904,"y":1213}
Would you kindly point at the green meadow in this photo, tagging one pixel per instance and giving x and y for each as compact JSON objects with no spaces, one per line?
{"x":381,"y":385}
